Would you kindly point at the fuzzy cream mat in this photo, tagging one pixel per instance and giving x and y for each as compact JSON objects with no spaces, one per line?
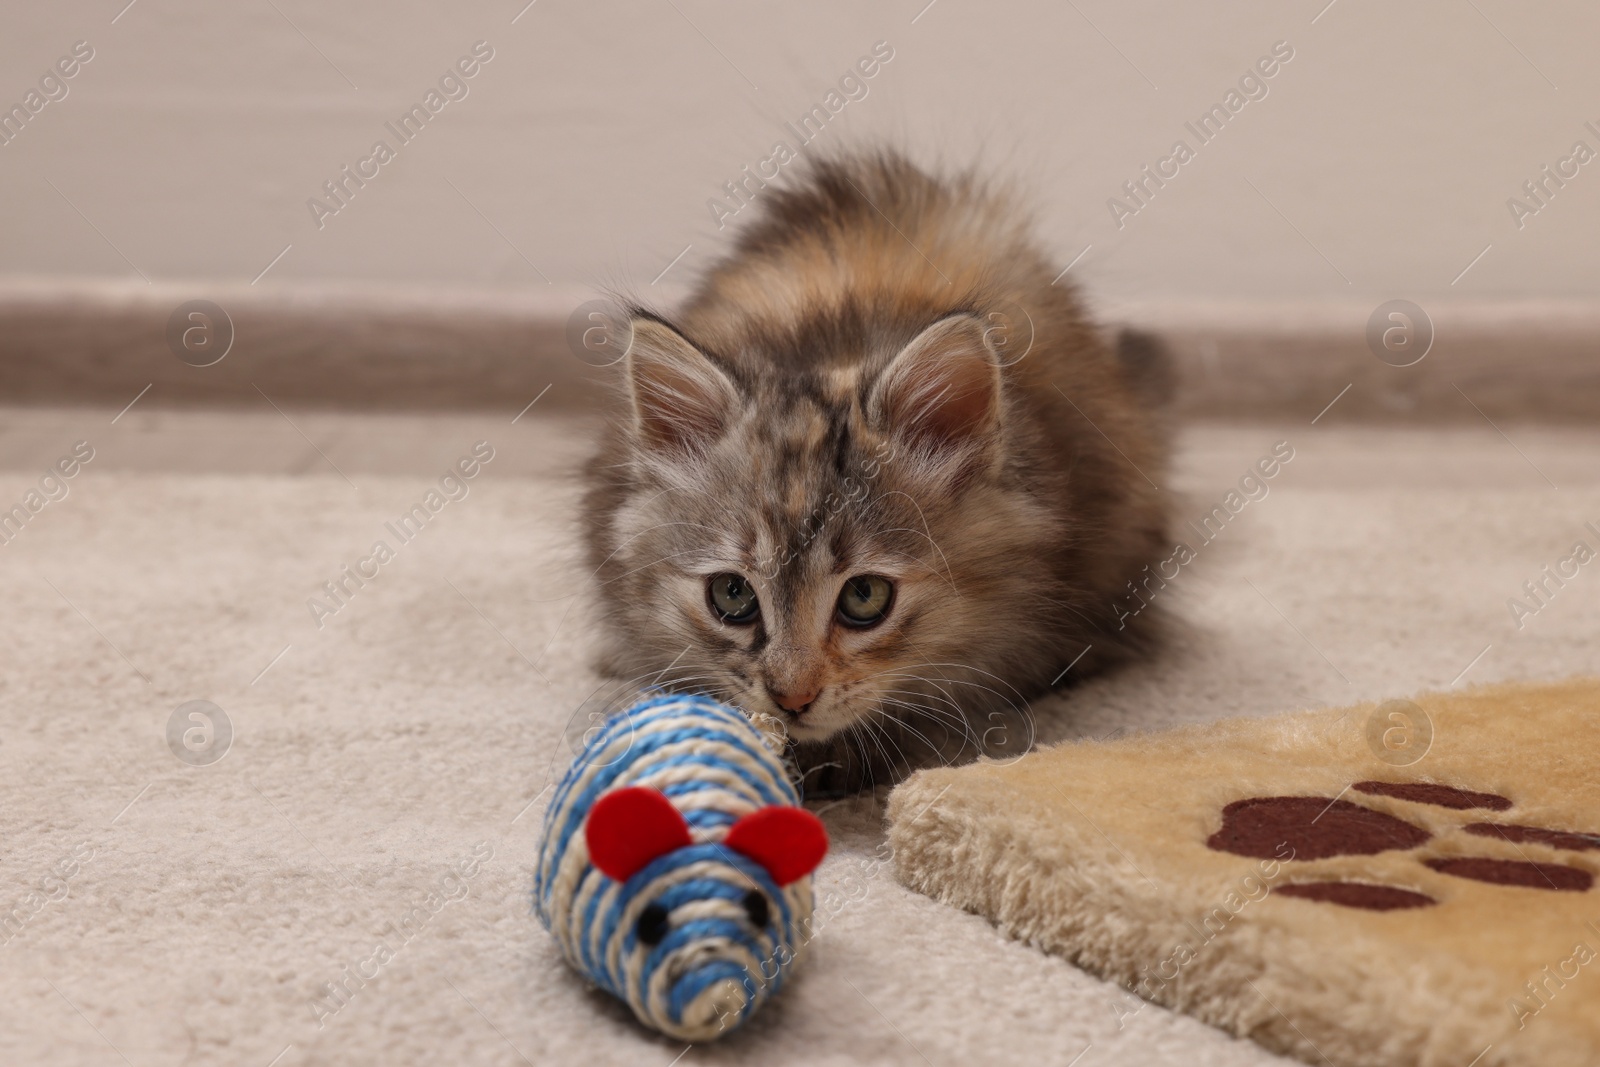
{"x":1396,"y":883}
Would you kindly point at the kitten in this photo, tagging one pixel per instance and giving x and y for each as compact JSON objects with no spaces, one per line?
{"x":879,"y":478}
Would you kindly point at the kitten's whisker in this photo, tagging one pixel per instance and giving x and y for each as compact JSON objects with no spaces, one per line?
{"x":962,"y":681}
{"x":949,"y":722}
{"x":880,"y":710}
{"x":937,"y":715}
{"x":868,"y":760}
{"x":940,"y":690}
{"x":635,"y":536}
{"x":954,"y":706}
{"x":875,"y":731}
{"x":933,"y":715}
{"x":646,"y":566}
{"x":925,"y":532}
{"x":669,"y":490}
{"x":851,"y":734}
{"x":1022,"y":710}
{"x":906,"y":725}
{"x":923,"y":564}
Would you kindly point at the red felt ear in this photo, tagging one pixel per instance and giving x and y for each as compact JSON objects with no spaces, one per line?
{"x":788,"y":842}
{"x":629,"y":827}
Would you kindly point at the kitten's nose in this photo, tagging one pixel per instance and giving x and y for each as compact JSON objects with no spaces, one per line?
{"x":796,"y":702}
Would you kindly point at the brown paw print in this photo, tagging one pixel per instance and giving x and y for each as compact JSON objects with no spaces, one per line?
{"x":1319,"y":827}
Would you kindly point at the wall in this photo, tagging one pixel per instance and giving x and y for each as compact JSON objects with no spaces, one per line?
{"x":1378,"y":165}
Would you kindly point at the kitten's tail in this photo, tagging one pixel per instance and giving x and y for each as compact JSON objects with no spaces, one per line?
{"x":1146,"y":363}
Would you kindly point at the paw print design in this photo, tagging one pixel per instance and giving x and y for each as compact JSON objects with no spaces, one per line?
{"x":1319,"y":827}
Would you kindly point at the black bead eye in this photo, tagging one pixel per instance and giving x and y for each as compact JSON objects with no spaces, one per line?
{"x":732,"y":598}
{"x":652,"y":925}
{"x":756,"y":906}
{"x":865,"y":600}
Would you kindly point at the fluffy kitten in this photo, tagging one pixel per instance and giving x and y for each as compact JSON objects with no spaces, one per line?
{"x":879,"y":478}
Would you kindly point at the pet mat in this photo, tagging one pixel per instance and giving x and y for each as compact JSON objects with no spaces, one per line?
{"x":1404,"y":883}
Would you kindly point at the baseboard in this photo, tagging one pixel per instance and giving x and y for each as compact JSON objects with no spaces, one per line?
{"x":371,"y":348}
{"x":1524,"y":360}
{"x":395,"y":348}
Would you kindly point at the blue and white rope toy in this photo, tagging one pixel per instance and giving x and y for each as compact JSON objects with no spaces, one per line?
{"x":675,"y":865}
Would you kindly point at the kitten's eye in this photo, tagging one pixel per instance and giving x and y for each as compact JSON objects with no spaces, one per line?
{"x":755,"y":906}
{"x":732,"y":598}
{"x":652,"y":925}
{"x":865,"y":599}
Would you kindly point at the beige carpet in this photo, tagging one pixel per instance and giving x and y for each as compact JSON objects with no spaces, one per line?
{"x":167,"y":913}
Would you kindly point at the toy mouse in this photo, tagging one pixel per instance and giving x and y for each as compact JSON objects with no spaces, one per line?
{"x":674,"y":865}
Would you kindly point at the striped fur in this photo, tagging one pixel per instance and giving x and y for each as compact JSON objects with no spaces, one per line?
{"x":774,"y":428}
{"x":714,"y":969}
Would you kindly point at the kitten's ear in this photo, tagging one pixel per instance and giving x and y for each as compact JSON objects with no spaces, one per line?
{"x":943,"y":389}
{"x":681,"y":399}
